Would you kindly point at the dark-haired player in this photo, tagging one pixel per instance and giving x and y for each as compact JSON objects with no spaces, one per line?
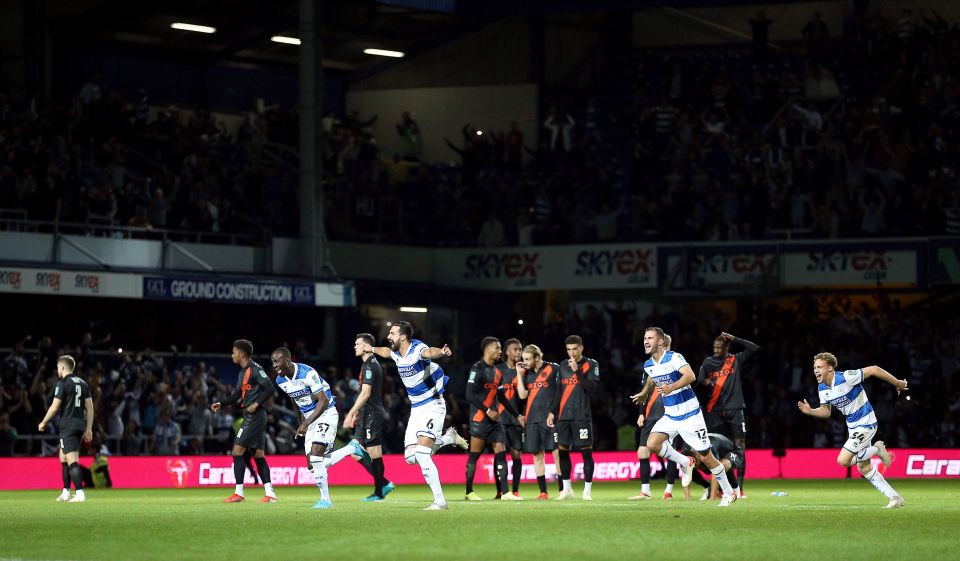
{"x":367,"y":415}
{"x":572,"y":415}
{"x":253,"y":389}
{"x":723,"y":374}
{"x":484,"y":396}
{"x":76,"y":422}
{"x":512,"y":422}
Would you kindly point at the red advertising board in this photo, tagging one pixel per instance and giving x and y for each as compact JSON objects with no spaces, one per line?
{"x":208,"y":471}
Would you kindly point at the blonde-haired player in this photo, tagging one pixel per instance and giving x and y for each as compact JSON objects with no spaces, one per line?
{"x":540,"y":381}
{"x":844,"y":390}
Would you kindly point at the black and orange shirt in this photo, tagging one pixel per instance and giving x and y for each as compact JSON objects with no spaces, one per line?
{"x":572,"y":402}
{"x":482,"y":387}
{"x":653,"y":408}
{"x":253,"y":386}
{"x":542,"y":386}
{"x":727,"y":375}
{"x":508,"y":389}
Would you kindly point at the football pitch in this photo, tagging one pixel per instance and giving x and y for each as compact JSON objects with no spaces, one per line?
{"x":821,"y":519}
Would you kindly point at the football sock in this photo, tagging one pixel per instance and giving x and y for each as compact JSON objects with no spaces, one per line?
{"x":670,"y":472}
{"x":319,"y":468}
{"x":564,"y":466}
{"x":587,"y":487}
{"x":668,"y":453}
{"x":239,"y":471}
{"x":378,"y":480}
{"x":367,"y":463}
{"x":542,"y":482}
{"x":338,"y":455}
{"x":429,"y":471}
{"x":866,"y":453}
{"x":65,"y":472}
{"x":471,"y":469}
{"x":500,"y":471}
{"x":877,"y":480}
{"x":517,"y":469}
{"x":721,"y":476}
{"x":444,"y":440}
{"x":668,"y":488}
{"x":645,"y":472}
{"x":76,"y":474}
{"x":587,"y":465}
{"x":263,"y":470}
{"x":645,"y":488}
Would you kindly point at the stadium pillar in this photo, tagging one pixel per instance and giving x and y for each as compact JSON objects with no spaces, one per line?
{"x":313,"y":250}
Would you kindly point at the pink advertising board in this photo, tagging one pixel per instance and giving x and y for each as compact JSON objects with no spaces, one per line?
{"x":211,"y":471}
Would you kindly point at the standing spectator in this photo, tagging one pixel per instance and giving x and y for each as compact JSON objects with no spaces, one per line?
{"x":411,"y":142}
{"x":816,"y":34}
{"x":560,"y":125}
{"x":491,"y":231}
{"x":514,"y":142}
{"x":759,"y":27}
{"x":166,"y":436}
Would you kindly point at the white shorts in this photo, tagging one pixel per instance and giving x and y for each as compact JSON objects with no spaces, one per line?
{"x":693,"y":431}
{"x":322,"y":431}
{"x":426,"y":420}
{"x":859,"y":438}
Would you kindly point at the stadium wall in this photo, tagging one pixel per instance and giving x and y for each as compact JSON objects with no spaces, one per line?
{"x":213,"y":471}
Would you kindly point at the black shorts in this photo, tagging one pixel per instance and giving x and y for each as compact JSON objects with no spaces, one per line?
{"x":728,"y":422}
{"x":646,"y":430}
{"x":539,"y":437}
{"x":490,"y":431}
{"x":735,"y":458}
{"x":575,"y":434}
{"x":369,"y":431}
{"x":70,"y":439}
{"x":513,"y":437}
{"x":253,"y":431}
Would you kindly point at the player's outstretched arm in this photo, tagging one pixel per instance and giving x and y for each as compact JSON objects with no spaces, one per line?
{"x":382,"y":352}
{"x":433,"y":353}
{"x":877,"y":372}
{"x":822,"y":412}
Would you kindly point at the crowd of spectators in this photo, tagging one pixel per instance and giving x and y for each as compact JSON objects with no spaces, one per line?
{"x":109,"y":159}
{"x":158,"y":403}
{"x":829,"y":137}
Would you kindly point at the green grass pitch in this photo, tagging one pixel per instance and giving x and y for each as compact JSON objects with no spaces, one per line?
{"x":819,"y":519}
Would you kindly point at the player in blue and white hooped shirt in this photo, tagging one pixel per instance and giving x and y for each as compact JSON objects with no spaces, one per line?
{"x":671,"y":373}
{"x":318,"y":412}
{"x":425,"y":383}
{"x":844,"y":390}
